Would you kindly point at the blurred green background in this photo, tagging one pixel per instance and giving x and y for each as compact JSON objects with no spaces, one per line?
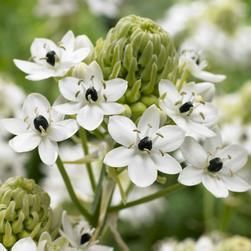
{"x":183,"y":213}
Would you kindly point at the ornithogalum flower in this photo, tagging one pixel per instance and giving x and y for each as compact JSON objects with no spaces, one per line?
{"x":91,"y":98}
{"x":215,"y":165}
{"x":193,"y":62}
{"x":144,"y":147}
{"x":39,"y":126}
{"x":188,"y":107}
{"x":54,"y":60}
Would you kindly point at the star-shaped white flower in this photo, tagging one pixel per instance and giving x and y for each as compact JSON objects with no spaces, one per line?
{"x":188,"y":108}
{"x":39,"y":126}
{"x":23,"y":244}
{"x":79,"y":236}
{"x":193,"y":62}
{"x":91,"y":98}
{"x":144,"y":147}
{"x":215,"y":165}
{"x":54,"y":60}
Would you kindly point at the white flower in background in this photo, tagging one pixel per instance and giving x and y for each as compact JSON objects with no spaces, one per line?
{"x":53,"y":183}
{"x":91,"y":98}
{"x":144,"y":147}
{"x":25,"y":244}
{"x":40,"y":126}
{"x":109,"y":8}
{"x":214,"y":165}
{"x":192,"y":61}
{"x":55,"y":8}
{"x":52,"y":60}
{"x":188,"y":108}
{"x":79,"y":235}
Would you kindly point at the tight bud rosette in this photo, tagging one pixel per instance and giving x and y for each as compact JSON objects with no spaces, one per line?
{"x":24,"y":210}
{"x":140,"y":51}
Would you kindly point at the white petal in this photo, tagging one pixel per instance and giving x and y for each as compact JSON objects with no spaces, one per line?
{"x":90,"y":117}
{"x":122,"y":130}
{"x":190,"y":176}
{"x":28,"y":67}
{"x":149,"y":122}
{"x":36,"y":104}
{"x":68,"y":41}
{"x":14,"y":126}
{"x":236,"y":184}
{"x":208,"y":76}
{"x":142,"y":171}
{"x":114,"y":89}
{"x":68,"y":108}
{"x":25,"y":142}
{"x":25,"y":244}
{"x":119,"y":157}
{"x":168,"y":88}
{"x":234,"y":156}
{"x":78,"y":55}
{"x":200,"y":129}
{"x":100,"y":248}
{"x":206,"y":90}
{"x":62,"y":130}
{"x":166,"y":163}
{"x":213,"y":143}
{"x":69,"y":88}
{"x":94,"y":70}
{"x":215,"y":185}
{"x":82,"y":41}
{"x":42,"y":75}
{"x":170,"y":138}
{"x":112,"y":108}
{"x":194,"y":153}
{"x":48,"y":151}
{"x":2,"y":248}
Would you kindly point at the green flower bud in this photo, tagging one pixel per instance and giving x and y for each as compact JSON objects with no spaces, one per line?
{"x":140,"y":51}
{"x":236,"y":243}
{"x":24,"y":210}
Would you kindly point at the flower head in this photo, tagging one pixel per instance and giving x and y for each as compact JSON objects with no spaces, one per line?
{"x":144,"y":147}
{"x":39,"y":126}
{"x":193,"y":62}
{"x":91,"y":98}
{"x":54,"y":60}
{"x":215,"y":165}
{"x":25,"y":210}
{"x":188,"y":108}
{"x":140,"y":51}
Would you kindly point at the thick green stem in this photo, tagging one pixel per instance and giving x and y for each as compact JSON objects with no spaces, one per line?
{"x":83,"y":137}
{"x":70,"y":190}
{"x":148,"y":198}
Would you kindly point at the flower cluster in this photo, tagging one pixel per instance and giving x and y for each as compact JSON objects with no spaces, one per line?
{"x":137,"y":96}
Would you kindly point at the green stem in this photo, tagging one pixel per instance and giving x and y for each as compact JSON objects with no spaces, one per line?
{"x":148,"y":198}
{"x":70,"y":190}
{"x":83,"y":137}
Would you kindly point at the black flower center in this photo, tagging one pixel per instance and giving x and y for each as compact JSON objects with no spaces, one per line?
{"x":92,"y":94}
{"x":215,"y":165}
{"x":145,"y":143}
{"x":85,"y":238}
{"x":186,"y":107}
{"x":40,"y":123}
{"x":51,"y":57}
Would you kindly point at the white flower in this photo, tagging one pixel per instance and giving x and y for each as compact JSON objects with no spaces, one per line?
{"x":79,"y":235}
{"x":188,"y":108}
{"x":214,"y":165}
{"x":144,"y":147}
{"x":193,"y":62}
{"x":25,"y":244}
{"x":91,"y":98}
{"x":39,"y":126}
{"x":52,"y":60}
{"x":109,"y":8}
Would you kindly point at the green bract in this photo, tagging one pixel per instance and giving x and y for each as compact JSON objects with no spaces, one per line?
{"x":140,"y":51}
{"x":24,"y":210}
